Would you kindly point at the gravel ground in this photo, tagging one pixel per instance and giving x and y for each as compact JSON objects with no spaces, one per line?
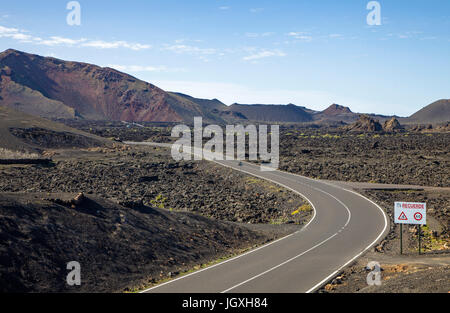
{"x":402,"y":158}
{"x":150,"y":175}
{"x":119,"y":249}
{"x":145,"y":218}
{"x":410,"y":272}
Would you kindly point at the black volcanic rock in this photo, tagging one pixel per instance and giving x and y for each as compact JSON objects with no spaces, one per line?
{"x":365,"y":124}
{"x":392,"y":125}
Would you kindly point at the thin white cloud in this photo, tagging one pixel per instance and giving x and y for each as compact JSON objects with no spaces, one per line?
{"x":409,"y":35}
{"x":252,"y":35}
{"x":224,"y":8}
{"x":6,"y":30}
{"x":14,"y":33}
{"x":264,"y":54}
{"x":23,"y":36}
{"x":58,"y":41}
{"x":189,"y":49}
{"x":429,"y":38}
{"x":140,"y":68}
{"x":257,"y":35}
{"x":184,"y":40}
{"x":300,"y":36}
{"x":256,"y":10}
{"x":115,"y":44}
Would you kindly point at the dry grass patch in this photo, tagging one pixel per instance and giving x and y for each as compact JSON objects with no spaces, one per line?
{"x":14,"y":155}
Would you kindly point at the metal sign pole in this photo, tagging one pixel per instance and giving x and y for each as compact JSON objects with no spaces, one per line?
{"x":420,"y":228}
{"x":411,"y":213}
{"x":401,"y":238}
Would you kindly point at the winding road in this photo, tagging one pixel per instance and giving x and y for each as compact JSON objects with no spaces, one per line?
{"x":344,"y":226}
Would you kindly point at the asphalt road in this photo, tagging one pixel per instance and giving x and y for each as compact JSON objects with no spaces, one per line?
{"x":344,"y":226}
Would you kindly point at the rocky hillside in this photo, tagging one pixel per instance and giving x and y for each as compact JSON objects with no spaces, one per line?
{"x":126,"y":218}
{"x":118,"y":248}
{"x":336,"y":109}
{"x":23,"y":132}
{"x":437,"y":112}
{"x":392,"y":125}
{"x":336,"y":112}
{"x":54,"y":88}
{"x":271,"y":113}
{"x":365,"y":124}
{"x":211,"y":110}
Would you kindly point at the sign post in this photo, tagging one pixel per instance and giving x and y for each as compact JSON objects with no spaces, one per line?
{"x":420,"y":230}
{"x":411,"y":213}
{"x":401,"y":239}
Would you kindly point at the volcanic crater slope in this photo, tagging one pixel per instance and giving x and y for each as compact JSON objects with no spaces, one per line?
{"x":435,"y":113}
{"x":53,"y":88}
{"x":271,"y":113}
{"x":23,"y":132}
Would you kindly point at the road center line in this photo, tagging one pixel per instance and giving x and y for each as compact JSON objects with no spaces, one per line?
{"x":303,"y":253}
{"x":281,"y":264}
{"x":315,"y":213}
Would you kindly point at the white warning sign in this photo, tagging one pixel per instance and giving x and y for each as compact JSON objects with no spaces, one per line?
{"x":410,"y":213}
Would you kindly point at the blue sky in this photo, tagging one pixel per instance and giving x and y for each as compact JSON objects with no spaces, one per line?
{"x":310,"y":53}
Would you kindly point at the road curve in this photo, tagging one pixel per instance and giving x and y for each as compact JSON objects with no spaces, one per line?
{"x":344,"y":226}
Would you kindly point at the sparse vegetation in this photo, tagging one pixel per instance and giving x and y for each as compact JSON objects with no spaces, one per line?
{"x":159,"y":201}
{"x":6,"y":154}
{"x":432,"y":241}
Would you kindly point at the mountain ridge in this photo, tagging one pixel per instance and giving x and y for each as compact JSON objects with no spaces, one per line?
{"x":84,"y":90}
{"x":434,"y":113}
{"x":54,"y":88}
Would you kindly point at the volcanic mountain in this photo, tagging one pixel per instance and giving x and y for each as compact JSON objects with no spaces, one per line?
{"x":23,"y":132}
{"x":271,"y":113}
{"x":437,"y":112}
{"x":54,"y":88}
{"x":212,"y":110}
{"x":336,"y":109}
{"x":336,"y":112}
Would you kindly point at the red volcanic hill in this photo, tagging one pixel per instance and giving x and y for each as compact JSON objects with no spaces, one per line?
{"x":336,"y":109}
{"x":336,"y":112}
{"x":54,"y":88}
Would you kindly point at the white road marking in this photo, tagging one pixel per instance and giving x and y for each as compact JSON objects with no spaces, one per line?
{"x":249,"y":252}
{"x":281,"y":264}
{"x":303,"y":253}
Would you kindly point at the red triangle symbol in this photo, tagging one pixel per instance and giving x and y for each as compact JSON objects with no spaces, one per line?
{"x":403,"y":217}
